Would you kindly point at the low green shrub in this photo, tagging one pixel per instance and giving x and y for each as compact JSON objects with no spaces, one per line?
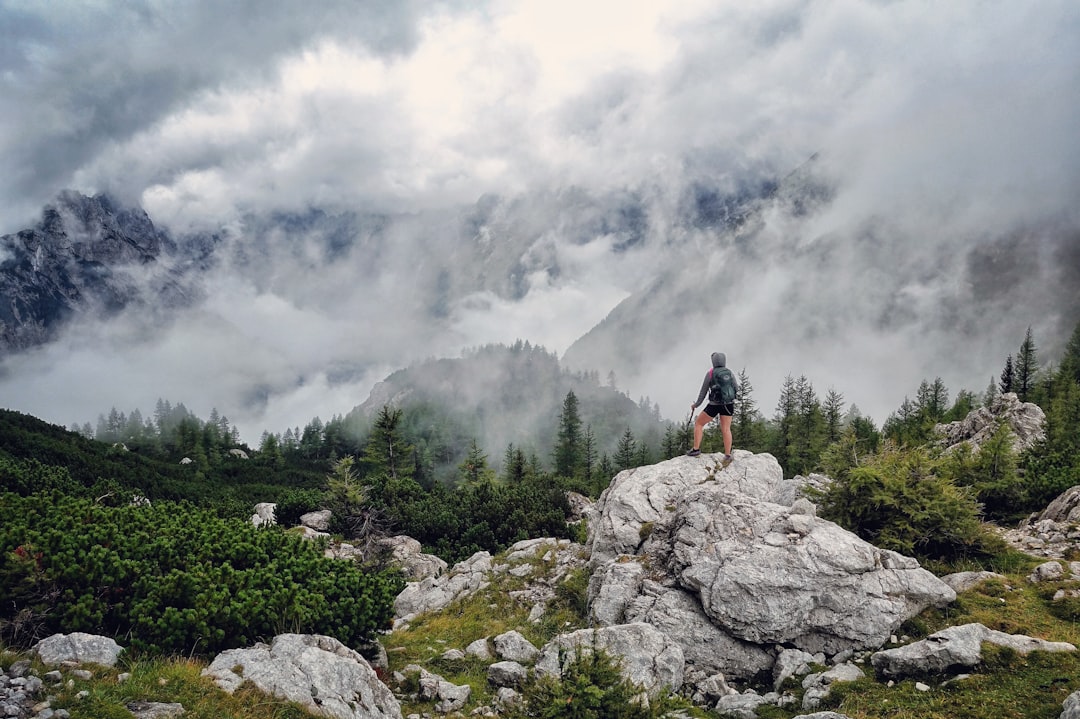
{"x":173,"y":578}
{"x":591,"y":687}
{"x":898,"y":501}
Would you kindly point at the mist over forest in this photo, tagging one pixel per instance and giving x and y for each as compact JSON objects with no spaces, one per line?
{"x":868,"y":195}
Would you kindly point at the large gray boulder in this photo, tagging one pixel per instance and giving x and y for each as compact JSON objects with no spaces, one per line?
{"x":78,"y":647}
{"x":755,"y":563}
{"x":954,"y":647}
{"x":408,"y":553}
{"x":318,"y":672}
{"x":646,"y":656}
{"x":433,"y":593}
{"x":1064,"y":508}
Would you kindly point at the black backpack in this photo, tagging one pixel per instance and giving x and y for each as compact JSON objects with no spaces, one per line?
{"x":722,"y":386}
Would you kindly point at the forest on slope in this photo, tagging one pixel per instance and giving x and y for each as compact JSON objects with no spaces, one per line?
{"x":415,"y":467}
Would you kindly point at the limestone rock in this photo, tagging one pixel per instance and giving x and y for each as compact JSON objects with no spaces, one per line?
{"x":817,"y":686}
{"x":1071,"y":706}
{"x":963,"y":581}
{"x":1026,"y":422}
{"x":959,"y":646}
{"x":513,"y":646}
{"x":506,"y":674}
{"x":1064,"y":508}
{"x":319,"y":521}
{"x":264,"y":514}
{"x":316,"y":671}
{"x":763,"y":573}
{"x":407,"y":553}
{"x":647,"y":657}
{"x":155,"y":710}
{"x":78,"y":647}
{"x":433,"y":593}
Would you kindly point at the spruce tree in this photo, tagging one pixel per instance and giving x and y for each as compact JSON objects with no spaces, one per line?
{"x":626,"y":451}
{"x":1008,"y":377}
{"x":834,"y":415}
{"x":1026,"y":367}
{"x":568,"y":443}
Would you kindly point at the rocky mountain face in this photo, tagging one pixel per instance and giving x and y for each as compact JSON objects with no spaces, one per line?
{"x":86,"y":255}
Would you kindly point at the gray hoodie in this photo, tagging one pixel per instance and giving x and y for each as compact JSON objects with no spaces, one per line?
{"x":719,"y":359}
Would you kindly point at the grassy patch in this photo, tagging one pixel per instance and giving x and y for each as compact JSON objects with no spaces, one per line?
{"x":166,"y":680}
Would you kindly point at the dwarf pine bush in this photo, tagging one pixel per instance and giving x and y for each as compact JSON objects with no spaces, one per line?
{"x":174,"y":578}
{"x":897,"y":500}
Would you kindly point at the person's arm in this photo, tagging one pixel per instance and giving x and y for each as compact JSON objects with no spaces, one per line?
{"x":704,"y":390}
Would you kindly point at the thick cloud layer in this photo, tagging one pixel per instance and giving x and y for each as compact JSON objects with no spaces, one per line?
{"x":945,"y":131}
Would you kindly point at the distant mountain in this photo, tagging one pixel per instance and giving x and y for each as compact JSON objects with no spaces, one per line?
{"x":86,"y":255}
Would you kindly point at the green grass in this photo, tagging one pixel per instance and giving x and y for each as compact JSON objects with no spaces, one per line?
{"x":166,"y":680}
{"x":1006,"y":685}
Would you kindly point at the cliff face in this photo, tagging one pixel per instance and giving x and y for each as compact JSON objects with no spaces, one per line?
{"x":87,"y":254}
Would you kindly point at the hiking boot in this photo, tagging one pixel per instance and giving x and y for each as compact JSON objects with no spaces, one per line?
{"x":693,"y":453}
{"x":728,"y":459}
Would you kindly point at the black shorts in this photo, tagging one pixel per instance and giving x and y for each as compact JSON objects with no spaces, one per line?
{"x":725,"y":410}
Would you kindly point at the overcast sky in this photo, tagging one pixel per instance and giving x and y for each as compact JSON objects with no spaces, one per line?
{"x":952,"y":126}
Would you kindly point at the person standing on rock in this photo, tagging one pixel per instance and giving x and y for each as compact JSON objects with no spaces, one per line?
{"x":722,"y":388}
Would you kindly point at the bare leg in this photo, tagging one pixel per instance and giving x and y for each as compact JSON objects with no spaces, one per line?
{"x":699,"y":428}
{"x":725,"y":429}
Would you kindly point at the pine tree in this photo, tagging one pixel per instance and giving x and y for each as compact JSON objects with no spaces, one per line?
{"x":991,"y":393}
{"x":473,"y":468}
{"x":513,"y":464}
{"x":626,"y":451}
{"x":834,"y":413}
{"x":387,"y":452}
{"x":1026,"y":367}
{"x":746,"y":418}
{"x":784,"y":420}
{"x":568,"y":444}
{"x":1070,"y":361}
{"x":588,"y":455}
{"x":1008,"y":377}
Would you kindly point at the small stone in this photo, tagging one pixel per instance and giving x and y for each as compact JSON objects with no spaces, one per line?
{"x":922,"y":687}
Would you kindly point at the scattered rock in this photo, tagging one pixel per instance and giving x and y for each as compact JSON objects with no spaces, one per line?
{"x":316,"y":671}
{"x":78,"y":647}
{"x":647,"y":657}
{"x":959,"y":646}
{"x":963,"y":581}
{"x":513,"y":646}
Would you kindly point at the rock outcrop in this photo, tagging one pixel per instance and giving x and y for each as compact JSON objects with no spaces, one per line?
{"x":315,"y":671}
{"x":723,"y":553}
{"x":1025,"y":420}
{"x":953,"y":648}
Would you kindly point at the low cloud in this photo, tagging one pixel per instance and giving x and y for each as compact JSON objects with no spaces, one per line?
{"x":518,"y":169}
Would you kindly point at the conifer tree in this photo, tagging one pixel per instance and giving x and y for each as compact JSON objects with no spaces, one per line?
{"x":588,"y":455}
{"x":747,"y":417}
{"x":626,"y":451}
{"x":513,"y":464}
{"x":1070,"y":361}
{"x":568,"y":444}
{"x":784,"y":419}
{"x":387,"y":452}
{"x":833,"y":410}
{"x":1008,"y":377}
{"x":1026,"y":367}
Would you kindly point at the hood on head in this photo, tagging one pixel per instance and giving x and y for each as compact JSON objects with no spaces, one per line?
{"x":719,"y":359}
